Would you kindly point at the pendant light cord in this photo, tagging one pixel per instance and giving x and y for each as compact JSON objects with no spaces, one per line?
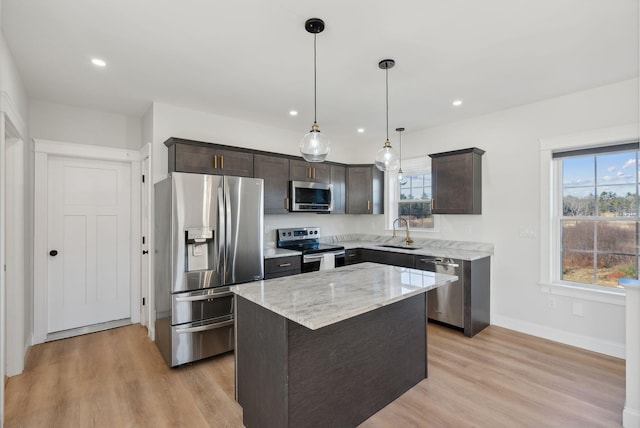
{"x":386,"y":74}
{"x":315,"y":79}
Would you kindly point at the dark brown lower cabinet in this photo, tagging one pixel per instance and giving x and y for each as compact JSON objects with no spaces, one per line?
{"x":282,"y":266}
{"x":335,"y":376}
{"x":387,"y":257}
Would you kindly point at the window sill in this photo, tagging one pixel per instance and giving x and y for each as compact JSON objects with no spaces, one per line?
{"x":612,"y":296}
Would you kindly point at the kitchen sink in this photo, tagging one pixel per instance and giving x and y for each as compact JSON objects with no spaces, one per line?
{"x":402,"y":247}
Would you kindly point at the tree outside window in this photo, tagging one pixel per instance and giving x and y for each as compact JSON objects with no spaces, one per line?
{"x":414,"y":204}
{"x":599,"y":222}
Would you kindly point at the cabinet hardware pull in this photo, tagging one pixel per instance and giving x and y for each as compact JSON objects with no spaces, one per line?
{"x":221,"y":161}
{"x":351,"y":255}
{"x":284,"y":265}
{"x":368,"y":205}
{"x":286,"y":203}
{"x":215,"y":161}
{"x":433,"y":202}
{"x":309,"y":172}
{"x":314,"y":173}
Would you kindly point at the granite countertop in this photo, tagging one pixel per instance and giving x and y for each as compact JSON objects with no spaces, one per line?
{"x":435,"y":251}
{"x":462,"y":250}
{"x":273,"y":253}
{"x":318,"y":299}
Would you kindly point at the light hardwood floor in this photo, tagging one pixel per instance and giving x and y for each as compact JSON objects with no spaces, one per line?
{"x":499,"y":378}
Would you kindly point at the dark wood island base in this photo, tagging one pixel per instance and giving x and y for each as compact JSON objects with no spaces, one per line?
{"x":336,"y":376}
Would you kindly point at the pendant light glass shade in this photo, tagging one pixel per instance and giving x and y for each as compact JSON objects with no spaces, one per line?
{"x":402,"y":179}
{"x":314,"y":146}
{"x":387,"y":158}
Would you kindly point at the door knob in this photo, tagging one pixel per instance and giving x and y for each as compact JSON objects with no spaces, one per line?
{"x":53,"y":252}
{"x":145,"y":251}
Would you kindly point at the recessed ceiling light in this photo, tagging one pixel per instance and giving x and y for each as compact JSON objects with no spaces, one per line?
{"x":457,"y":103}
{"x":98,"y":62}
{"x":293,"y":113}
{"x":360,"y":130}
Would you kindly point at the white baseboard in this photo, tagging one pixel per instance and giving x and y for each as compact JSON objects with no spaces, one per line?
{"x":630,"y":418}
{"x":586,"y":342}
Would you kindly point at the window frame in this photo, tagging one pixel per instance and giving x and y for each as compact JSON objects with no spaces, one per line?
{"x":412,"y":166}
{"x":551,"y":200}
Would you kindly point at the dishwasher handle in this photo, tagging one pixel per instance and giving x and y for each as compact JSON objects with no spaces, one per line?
{"x":440,"y":262}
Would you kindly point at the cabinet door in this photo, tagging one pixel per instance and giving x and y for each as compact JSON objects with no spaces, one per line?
{"x":229,"y":162}
{"x":211,"y":160}
{"x":307,"y":171}
{"x":321,"y":172}
{"x":197,"y":159}
{"x":359,"y":199}
{"x":457,"y":182}
{"x":275,"y":172}
{"x":338,"y":180}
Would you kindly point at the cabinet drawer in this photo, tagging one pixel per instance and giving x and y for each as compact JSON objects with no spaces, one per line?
{"x":352,"y":256}
{"x":273,"y":267}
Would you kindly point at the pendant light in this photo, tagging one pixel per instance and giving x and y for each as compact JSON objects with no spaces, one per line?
{"x":314,"y":146}
{"x":402,"y":179}
{"x":387,"y":158}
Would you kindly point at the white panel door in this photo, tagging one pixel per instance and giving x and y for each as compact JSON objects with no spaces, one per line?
{"x":89,"y":224}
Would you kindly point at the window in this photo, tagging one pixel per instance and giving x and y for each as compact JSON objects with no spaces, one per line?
{"x":597,"y":214}
{"x":412,"y":200}
{"x":414,"y":204}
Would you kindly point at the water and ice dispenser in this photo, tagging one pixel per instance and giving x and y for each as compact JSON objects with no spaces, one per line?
{"x":199,"y":249}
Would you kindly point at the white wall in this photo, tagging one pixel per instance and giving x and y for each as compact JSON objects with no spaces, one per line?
{"x":13,"y":124}
{"x":51,"y":121}
{"x":511,"y":194}
{"x":10,"y":81}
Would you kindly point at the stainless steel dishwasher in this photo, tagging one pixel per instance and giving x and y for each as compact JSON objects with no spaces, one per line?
{"x":446,"y":303}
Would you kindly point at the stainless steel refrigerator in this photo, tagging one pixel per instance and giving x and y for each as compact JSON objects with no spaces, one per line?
{"x":208,"y":235}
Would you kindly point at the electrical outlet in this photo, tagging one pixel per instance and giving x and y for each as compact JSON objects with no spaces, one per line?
{"x":552,"y":302}
{"x":527,"y":232}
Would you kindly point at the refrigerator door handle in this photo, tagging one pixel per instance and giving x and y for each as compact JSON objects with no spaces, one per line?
{"x":230,"y":256}
{"x":221,"y":232}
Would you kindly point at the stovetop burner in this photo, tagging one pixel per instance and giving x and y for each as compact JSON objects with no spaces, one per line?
{"x":304,"y":239}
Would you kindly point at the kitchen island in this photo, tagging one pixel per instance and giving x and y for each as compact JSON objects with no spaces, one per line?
{"x":330,"y":348}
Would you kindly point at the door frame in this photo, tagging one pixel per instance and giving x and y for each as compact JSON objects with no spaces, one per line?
{"x":146,"y":269}
{"x":42,"y":150}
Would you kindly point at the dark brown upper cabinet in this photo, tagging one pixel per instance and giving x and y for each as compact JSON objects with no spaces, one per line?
{"x":275,"y":172}
{"x":365,"y":190}
{"x":456,"y":182}
{"x":300,"y":170}
{"x":204,"y":158}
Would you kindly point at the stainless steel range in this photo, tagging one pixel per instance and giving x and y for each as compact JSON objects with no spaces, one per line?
{"x":315,"y":255}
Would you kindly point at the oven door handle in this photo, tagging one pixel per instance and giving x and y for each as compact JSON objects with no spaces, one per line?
{"x":205,"y":327}
{"x":204,"y":297}
{"x":311,"y":257}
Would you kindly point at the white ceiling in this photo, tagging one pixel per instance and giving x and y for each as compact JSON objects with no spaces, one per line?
{"x":253,"y":59}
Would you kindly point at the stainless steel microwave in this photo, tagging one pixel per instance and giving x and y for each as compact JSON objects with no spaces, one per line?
{"x":311,"y":197}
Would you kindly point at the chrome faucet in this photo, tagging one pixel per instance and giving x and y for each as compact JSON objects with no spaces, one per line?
{"x":408,"y":241}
